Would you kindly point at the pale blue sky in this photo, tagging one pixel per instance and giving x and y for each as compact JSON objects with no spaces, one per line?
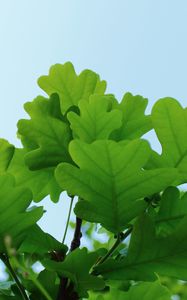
{"x":138,"y":46}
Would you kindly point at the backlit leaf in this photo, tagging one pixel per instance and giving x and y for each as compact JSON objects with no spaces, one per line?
{"x":71,"y":87}
{"x":6,"y":154}
{"x":134,"y":122}
{"x":95,"y":121}
{"x":45,"y":134}
{"x":110,"y":179}
{"x":170,"y":124}
{"x":40,"y":182}
{"x":14,"y":216}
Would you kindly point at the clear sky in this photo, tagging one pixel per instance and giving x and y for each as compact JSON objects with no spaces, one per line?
{"x":136,"y":45}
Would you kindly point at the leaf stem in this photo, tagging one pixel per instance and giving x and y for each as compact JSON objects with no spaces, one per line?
{"x":120,"y":237}
{"x":67,"y":223}
{"x":32,"y":276}
{"x":21,"y":288}
{"x":40,"y":287}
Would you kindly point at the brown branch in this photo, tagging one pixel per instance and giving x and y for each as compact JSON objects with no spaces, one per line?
{"x":66,"y":291}
{"x":77,"y":235}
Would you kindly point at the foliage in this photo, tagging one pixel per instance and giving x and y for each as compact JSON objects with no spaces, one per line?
{"x":130,"y":213}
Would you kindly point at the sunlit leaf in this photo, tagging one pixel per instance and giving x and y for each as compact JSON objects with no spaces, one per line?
{"x":6,"y":154}
{"x":95,"y":121}
{"x":110,"y":179}
{"x":134,"y":122}
{"x":71,"y":87}
{"x":170,"y":124}
{"x":15,"y":217}
{"x":46,"y":135}
{"x":40,"y":182}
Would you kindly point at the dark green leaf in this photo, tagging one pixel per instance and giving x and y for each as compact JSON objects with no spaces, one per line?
{"x":143,"y":291}
{"x":48,"y":281}
{"x":5,"y":288}
{"x":17,"y":297}
{"x":149,"y":254}
{"x":76,"y":267}
{"x":39,"y":242}
{"x":173,"y":208}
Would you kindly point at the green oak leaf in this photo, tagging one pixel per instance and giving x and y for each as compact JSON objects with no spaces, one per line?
{"x":143,"y":291}
{"x":5,"y":287}
{"x":71,"y":87}
{"x":39,"y":242}
{"x":46,"y":135}
{"x":76,"y":267}
{"x":147,"y":291}
{"x":111,"y":180}
{"x":170,"y":124}
{"x":48,"y":281}
{"x":149,"y":254}
{"x":173,"y":208}
{"x":40,"y":182}
{"x":134,"y":122}
{"x":6,"y":154}
{"x":16,"y":297}
{"x":95,"y":121}
{"x":15,"y":217}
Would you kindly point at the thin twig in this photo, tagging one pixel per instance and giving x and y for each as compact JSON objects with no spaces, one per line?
{"x":33,"y":278}
{"x":21,"y":288}
{"x":120,"y":237}
{"x":67,"y":223}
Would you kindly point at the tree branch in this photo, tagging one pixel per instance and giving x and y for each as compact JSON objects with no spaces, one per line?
{"x":77,"y":235}
{"x":66,"y":292}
